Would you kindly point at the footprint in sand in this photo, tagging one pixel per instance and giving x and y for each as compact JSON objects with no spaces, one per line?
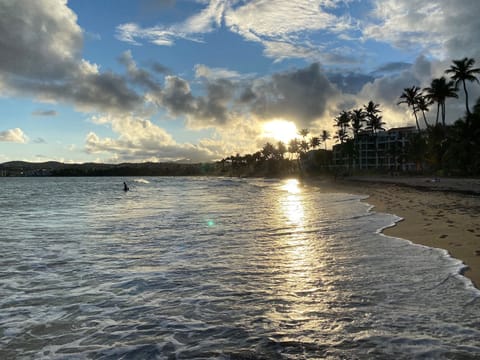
{"x":471,"y":230}
{"x":477,"y":252}
{"x":443,"y":236}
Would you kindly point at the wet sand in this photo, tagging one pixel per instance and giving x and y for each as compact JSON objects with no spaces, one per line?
{"x":440,"y":213}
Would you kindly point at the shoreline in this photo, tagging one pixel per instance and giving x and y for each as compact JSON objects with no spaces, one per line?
{"x":438,"y":213}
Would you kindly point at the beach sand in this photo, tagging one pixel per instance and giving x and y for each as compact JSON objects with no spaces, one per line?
{"x":440,"y":213}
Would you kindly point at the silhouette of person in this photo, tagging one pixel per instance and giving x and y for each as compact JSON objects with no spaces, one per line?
{"x":125,"y":187}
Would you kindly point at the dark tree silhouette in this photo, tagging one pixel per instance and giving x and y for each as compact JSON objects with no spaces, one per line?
{"x":357,"y":117}
{"x":374,"y":120}
{"x":438,"y":92}
{"x":462,"y":71}
{"x":325,"y":136}
{"x":410,"y":98}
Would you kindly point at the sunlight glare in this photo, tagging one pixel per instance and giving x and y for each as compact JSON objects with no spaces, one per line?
{"x":292,"y":186}
{"x":281,"y":130}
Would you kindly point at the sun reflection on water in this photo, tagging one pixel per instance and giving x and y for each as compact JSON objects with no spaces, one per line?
{"x":297,"y":260}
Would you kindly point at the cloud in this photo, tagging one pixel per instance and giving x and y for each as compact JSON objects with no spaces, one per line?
{"x":350,"y":82}
{"x":138,"y":76}
{"x":39,"y":140}
{"x":45,"y":113}
{"x":40,"y":56}
{"x":203,"y":22}
{"x":13,"y":135}
{"x":160,"y":69}
{"x":203,"y":71}
{"x":40,"y":39}
{"x":298,"y":95}
{"x":139,"y":139}
{"x":393,"y":67}
{"x":267,"y":22}
{"x":272,"y":24}
{"x":444,"y":28}
{"x":211,"y":109}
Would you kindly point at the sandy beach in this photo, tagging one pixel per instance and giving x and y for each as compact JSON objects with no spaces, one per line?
{"x":437,"y":212}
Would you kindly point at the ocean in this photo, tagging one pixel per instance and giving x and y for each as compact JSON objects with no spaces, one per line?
{"x":219,"y":268}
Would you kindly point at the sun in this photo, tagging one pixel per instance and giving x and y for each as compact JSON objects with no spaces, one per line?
{"x":281,"y":130}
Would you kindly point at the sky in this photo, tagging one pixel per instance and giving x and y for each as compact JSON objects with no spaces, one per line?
{"x":198,"y":80}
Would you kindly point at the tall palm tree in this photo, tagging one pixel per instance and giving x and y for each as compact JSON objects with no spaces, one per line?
{"x":325,"y":136}
{"x":374,"y":123}
{"x":343,"y":120}
{"x":438,"y":92}
{"x":374,"y":120}
{"x":357,"y":117}
{"x":410,"y":98}
{"x":423,"y":105}
{"x":463,"y":70}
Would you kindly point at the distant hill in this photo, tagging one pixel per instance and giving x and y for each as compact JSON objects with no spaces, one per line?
{"x":53,"y":168}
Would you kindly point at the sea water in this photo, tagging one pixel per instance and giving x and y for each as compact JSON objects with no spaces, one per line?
{"x":219,"y":268}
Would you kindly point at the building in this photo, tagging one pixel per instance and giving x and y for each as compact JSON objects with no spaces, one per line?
{"x":386,"y":150}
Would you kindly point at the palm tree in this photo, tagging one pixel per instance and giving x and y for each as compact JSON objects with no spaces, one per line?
{"x":410,"y":97}
{"x":462,"y":70}
{"x":281,"y":149}
{"x":438,"y":92}
{"x":374,"y":120}
{"x":374,"y":123}
{"x":268,"y":151}
{"x":325,"y":136}
{"x":343,"y":120}
{"x":315,"y":142}
{"x":304,"y":133}
{"x":294,"y":147}
{"x":341,"y":135}
{"x":423,"y":105}
{"x":357,"y":117}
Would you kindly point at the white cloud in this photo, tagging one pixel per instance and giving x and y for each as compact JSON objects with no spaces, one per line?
{"x":203,"y":71}
{"x":281,"y":26}
{"x":444,"y":28}
{"x":139,"y":139}
{"x":13,"y":135}
{"x":204,"y":22}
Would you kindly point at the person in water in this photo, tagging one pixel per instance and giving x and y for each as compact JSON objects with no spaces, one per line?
{"x":125,"y":187}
